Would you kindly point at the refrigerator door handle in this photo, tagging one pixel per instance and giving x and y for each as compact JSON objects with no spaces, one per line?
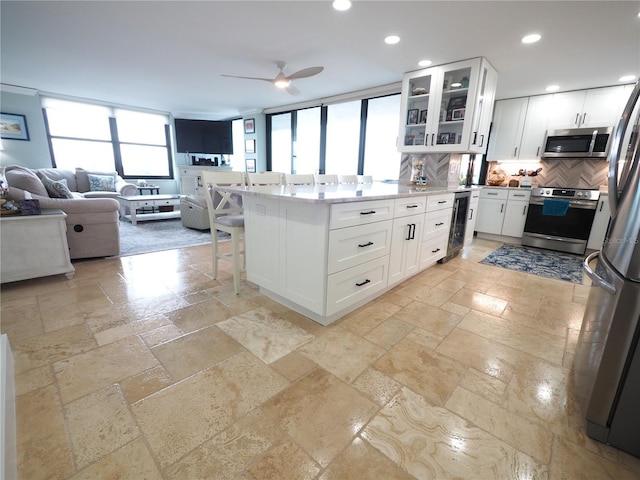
{"x":617,"y":147}
{"x":595,"y":277}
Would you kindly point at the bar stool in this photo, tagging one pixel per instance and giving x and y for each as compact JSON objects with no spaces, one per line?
{"x":347,"y":179}
{"x":226,"y":215}
{"x":265,"y":178}
{"x":325,"y":179}
{"x":298,"y":179}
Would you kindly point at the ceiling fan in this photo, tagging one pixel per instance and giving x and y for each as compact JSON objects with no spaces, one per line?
{"x":285,"y":81}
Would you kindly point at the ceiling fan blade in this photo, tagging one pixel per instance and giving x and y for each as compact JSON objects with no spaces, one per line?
{"x":293,"y":90}
{"x":306,"y":72}
{"x":248,"y":78}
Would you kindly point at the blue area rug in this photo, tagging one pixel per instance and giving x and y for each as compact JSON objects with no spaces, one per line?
{"x":537,"y":261}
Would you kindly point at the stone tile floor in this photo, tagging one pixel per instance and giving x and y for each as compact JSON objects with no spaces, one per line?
{"x":144,"y":367}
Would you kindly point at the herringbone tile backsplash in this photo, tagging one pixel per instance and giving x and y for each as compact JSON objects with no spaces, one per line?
{"x":565,"y":172}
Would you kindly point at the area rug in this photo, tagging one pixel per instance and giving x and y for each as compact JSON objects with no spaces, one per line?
{"x":537,"y":261}
{"x":156,"y":235}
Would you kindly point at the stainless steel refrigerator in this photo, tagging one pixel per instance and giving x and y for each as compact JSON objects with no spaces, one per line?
{"x":607,"y":361}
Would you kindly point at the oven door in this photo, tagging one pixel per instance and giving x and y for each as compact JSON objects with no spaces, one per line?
{"x":568,"y":233}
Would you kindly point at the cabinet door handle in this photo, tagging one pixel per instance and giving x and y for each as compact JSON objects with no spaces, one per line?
{"x":370,"y":212}
{"x":408,"y":232}
{"x":601,"y":205}
{"x":475,"y":138}
{"x":368,"y":244}
{"x":412,"y":206}
{"x":481,"y":140}
{"x":471,"y":214}
{"x":518,"y":194}
{"x":439,"y":224}
{"x":363,"y":283}
{"x":435,"y":251}
{"x":492,"y":193}
{"x":515,"y":152}
{"x":577,"y":118}
{"x":502,"y":208}
{"x":584,"y":118}
{"x":538,"y":151}
{"x":442,"y":201}
{"x":524,"y":210}
{"x":432,"y":138}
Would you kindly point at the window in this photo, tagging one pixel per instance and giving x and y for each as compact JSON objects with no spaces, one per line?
{"x":103,"y":138}
{"x":306,"y":153}
{"x":343,"y":138}
{"x":381,"y":157}
{"x":329,"y":138}
{"x":281,"y":147}
{"x":237,"y":158}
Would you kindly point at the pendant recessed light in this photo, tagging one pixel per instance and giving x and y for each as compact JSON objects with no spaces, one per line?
{"x":341,"y":5}
{"x":627,"y":78}
{"x":424,"y":63}
{"x":552,"y":88}
{"x":531,"y":38}
{"x":391,"y":39}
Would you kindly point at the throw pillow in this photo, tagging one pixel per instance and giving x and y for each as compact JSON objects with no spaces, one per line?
{"x":56,"y":188}
{"x":102,"y":183}
{"x":25,"y":179}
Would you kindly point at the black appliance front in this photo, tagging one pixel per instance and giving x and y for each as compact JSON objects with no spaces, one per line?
{"x":567,"y":233}
{"x":458,"y":225}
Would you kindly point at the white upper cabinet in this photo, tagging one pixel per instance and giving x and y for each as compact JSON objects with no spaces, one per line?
{"x":519,"y":127}
{"x":597,"y":107}
{"x":447,"y":108}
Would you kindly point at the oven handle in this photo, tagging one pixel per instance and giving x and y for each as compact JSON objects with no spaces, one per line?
{"x":586,"y":205}
{"x":594,"y":276}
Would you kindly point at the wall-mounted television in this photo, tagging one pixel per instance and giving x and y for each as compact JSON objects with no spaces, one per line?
{"x":203,"y":136}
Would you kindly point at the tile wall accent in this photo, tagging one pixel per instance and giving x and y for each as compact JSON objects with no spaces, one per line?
{"x":437,"y":167}
{"x":565,"y":172}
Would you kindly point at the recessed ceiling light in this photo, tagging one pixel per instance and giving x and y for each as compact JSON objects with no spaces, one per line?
{"x":341,"y":5}
{"x":424,"y":63}
{"x":627,"y":78}
{"x":532,"y":38}
{"x":392,"y":39}
{"x":552,"y":88}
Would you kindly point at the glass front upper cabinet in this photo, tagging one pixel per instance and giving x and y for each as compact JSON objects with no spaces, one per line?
{"x":447,"y":108}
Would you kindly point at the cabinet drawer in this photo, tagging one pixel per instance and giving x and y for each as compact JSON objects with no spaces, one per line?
{"x":170,"y":201}
{"x":352,"y":246}
{"x":409,"y":206}
{"x":355,"y":284}
{"x":523,"y":195}
{"x":439,"y":202}
{"x":433,"y":250}
{"x":360,"y":213}
{"x":436,"y":223}
{"x":495,"y":193}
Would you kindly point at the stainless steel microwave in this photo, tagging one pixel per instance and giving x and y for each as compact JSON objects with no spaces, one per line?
{"x":577,"y":142}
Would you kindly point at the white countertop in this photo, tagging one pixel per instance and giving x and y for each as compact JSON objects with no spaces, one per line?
{"x":342,"y":193}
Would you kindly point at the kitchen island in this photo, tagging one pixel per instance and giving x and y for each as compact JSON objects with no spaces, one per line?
{"x":326,"y":250}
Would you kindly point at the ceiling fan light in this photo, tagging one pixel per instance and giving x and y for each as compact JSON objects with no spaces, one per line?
{"x":341,"y":5}
{"x":283,"y":83}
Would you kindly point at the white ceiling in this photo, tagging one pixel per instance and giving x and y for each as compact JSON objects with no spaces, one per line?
{"x":168,"y":55}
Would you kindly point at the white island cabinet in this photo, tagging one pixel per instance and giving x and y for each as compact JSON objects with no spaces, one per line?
{"x":324,"y":251}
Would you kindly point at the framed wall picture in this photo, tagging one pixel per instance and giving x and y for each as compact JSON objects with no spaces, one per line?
{"x":250,"y":146}
{"x":249,"y":125}
{"x":13,"y":126}
{"x":412,"y":116}
{"x":250,"y":165}
{"x":457,"y":114}
{"x":423,"y":116}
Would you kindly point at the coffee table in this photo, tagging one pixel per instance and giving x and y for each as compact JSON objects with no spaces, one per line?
{"x":133,"y":202}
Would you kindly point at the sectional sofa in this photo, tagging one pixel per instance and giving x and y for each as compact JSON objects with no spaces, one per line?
{"x":88,"y":199}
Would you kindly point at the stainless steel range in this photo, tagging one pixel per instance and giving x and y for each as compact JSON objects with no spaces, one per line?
{"x":560,"y":218}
